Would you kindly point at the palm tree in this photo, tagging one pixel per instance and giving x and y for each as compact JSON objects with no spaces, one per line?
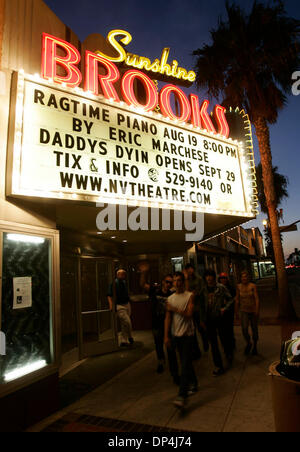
{"x":250,"y":64}
{"x":280,"y":186}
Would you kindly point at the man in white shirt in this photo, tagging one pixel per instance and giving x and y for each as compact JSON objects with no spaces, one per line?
{"x":179,"y":327}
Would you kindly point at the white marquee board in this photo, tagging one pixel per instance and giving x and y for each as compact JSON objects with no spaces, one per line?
{"x":69,"y":145}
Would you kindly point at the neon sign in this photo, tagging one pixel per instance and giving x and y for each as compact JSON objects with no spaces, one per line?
{"x":158,"y":66}
{"x":190,"y":108}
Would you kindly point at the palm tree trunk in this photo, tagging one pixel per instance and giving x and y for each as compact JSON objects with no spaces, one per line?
{"x":263,"y":136}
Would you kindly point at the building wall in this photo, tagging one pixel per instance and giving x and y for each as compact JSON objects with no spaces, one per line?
{"x":22,"y":23}
{"x":2,"y":15}
{"x":25,"y":21}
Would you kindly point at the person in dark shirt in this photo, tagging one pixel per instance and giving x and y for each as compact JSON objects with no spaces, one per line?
{"x":218,"y":301}
{"x":122,"y":306}
{"x":158,"y":296}
{"x":228,"y":318}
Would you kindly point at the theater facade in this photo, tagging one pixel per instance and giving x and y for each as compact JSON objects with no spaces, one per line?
{"x":105,"y":162}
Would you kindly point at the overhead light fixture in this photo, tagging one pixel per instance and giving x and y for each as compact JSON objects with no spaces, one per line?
{"x":25,"y":370}
{"x":25,"y":238}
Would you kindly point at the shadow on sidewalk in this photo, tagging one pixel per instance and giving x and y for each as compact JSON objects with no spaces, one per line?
{"x":97,"y":370}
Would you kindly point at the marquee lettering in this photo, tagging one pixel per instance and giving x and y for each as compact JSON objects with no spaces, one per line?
{"x":50,"y":60}
{"x":128,"y":91}
{"x":160,"y":66}
{"x":100,"y":72}
{"x":93,"y":77}
{"x":165,"y":103}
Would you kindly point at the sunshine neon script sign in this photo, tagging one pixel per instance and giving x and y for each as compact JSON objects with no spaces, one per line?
{"x":158,"y":66}
{"x":59,"y":53}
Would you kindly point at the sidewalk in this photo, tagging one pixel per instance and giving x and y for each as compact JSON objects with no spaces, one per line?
{"x":240,"y":401}
{"x":138,"y":399}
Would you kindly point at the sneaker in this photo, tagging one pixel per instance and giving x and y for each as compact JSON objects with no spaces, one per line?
{"x":131,"y":340}
{"x":248,"y":349}
{"x":218,"y":372}
{"x":179,"y":402}
{"x":192,"y":390}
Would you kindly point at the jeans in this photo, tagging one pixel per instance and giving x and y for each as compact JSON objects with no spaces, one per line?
{"x":123,"y":314}
{"x":227,"y":326}
{"x":188,"y":377}
{"x":215,"y":329}
{"x":252,"y":319}
{"x":197,"y":323}
{"x":158,"y":334}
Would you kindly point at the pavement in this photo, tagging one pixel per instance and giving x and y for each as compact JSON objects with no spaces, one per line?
{"x":239,"y":401}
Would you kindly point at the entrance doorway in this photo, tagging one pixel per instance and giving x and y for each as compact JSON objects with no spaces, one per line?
{"x":97,"y":324}
{"x":87,"y":325}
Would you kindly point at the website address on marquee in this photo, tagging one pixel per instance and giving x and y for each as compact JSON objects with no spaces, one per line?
{"x":133,"y":189}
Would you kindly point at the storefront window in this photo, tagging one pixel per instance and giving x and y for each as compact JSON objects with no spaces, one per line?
{"x":255,"y":270}
{"x":26,"y":312}
{"x":177,"y":264}
{"x":267,"y":269}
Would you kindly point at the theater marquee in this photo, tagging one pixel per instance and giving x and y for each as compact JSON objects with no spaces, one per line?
{"x":78,"y":147}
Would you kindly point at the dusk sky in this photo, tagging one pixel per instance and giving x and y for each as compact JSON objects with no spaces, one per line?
{"x":184,"y":27}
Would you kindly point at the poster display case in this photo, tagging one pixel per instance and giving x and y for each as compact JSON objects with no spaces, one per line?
{"x":29,"y":302}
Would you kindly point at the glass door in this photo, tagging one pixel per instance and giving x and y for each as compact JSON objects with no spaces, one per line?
{"x":69,"y":312}
{"x":98,"y":332}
